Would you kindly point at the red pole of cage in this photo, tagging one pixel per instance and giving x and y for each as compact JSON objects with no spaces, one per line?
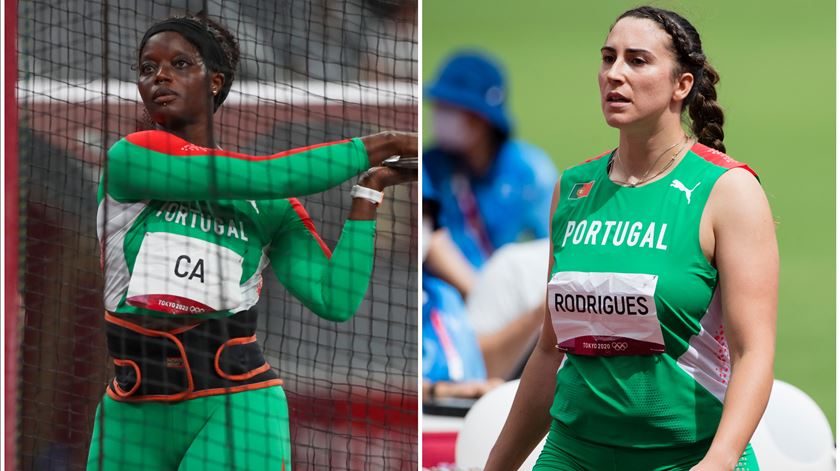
{"x":11,"y":235}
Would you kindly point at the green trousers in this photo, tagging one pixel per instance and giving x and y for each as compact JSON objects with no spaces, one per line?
{"x":240,"y":431}
{"x":564,"y":452}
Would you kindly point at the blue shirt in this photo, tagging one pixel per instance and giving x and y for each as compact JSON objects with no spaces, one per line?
{"x":450,"y":347}
{"x":510,"y":202}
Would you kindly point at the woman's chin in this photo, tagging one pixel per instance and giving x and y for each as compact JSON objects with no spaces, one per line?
{"x":615,"y":121}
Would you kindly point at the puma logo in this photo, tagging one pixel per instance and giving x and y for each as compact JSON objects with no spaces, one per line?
{"x":679,"y":185}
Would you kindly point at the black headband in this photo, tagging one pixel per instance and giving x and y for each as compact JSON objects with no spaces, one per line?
{"x":200,"y":37}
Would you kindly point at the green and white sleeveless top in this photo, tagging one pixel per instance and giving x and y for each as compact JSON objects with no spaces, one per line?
{"x":635,"y":304}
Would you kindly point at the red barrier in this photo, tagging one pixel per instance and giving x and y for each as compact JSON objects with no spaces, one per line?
{"x":11,"y":236}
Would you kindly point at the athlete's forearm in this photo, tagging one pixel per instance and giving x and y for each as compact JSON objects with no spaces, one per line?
{"x":744,"y":403}
{"x":529,"y":418}
{"x":347,"y":278}
{"x":159,"y":165}
{"x":338,"y":281}
{"x":331,"y":287}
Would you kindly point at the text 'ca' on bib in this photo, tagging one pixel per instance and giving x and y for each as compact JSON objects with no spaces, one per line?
{"x":184,"y":275}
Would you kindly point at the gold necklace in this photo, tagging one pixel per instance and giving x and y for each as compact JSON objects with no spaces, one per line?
{"x":644,"y":177}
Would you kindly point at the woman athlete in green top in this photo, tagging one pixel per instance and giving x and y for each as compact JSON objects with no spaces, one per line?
{"x":186,"y":229}
{"x":658,"y":338}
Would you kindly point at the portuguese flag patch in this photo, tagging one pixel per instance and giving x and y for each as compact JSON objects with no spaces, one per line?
{"x":581,"y":190}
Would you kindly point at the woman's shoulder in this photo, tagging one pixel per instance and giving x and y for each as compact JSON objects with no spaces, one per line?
{"x":719,"y":160}
{"x":736,"y":193}
{"x":588,"y":167}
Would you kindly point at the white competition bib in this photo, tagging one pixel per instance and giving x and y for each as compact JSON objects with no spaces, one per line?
{"x":605,"y":314}
{"x":182,"y":275}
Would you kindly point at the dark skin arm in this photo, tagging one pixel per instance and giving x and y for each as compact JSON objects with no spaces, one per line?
{"x":385,"y":144}
{"x":379,"y":178}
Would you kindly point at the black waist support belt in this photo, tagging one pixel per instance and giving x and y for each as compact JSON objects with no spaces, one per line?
{"x":216,"y":356}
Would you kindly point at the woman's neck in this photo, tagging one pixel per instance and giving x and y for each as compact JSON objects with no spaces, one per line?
{"x":639,"y":151}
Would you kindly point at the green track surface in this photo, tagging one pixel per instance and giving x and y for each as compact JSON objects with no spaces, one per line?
{"x":777,"y":66}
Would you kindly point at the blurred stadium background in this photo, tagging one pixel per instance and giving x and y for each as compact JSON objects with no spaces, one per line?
{"x":777,"y":66}
{"x":310,"y":72}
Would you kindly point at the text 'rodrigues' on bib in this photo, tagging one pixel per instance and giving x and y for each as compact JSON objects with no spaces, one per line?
{"x":184,"y":275}
{"x":605,"y":314}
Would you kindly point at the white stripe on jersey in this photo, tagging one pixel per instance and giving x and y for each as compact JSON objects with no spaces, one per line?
{"x":707,"y":357}
{"x":121,"y":216}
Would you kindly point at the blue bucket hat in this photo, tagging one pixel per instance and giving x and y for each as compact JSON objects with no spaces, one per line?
{"x":476,"y":82}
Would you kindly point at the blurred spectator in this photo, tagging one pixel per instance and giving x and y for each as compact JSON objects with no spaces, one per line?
{"x":506,"y":307}
{"x":489,"y":190}
{"x":450,"y":349}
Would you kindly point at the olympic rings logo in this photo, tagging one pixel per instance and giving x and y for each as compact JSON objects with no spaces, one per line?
{"x":619,"y":346}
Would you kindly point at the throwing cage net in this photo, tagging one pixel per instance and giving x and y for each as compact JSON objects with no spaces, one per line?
{"x":310,"y":72}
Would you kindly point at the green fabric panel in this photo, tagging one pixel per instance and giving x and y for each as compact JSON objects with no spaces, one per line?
{"x":245,"y":430}
{"x":565,"y":452}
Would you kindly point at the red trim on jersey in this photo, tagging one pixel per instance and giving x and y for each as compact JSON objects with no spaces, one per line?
{"x":708,"y":154}
{"x":170,"y":144}
{"x":597,"y":157}
{"x":307,"y":221}
{"x":718,"y":158}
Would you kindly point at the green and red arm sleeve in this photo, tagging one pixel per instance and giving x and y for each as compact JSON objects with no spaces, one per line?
{"x":330,"y":284}
{"x":157,"y":165}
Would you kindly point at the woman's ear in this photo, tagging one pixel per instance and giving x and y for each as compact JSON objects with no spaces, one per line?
{"x":684,"y":83}
{"x":217,"y":81}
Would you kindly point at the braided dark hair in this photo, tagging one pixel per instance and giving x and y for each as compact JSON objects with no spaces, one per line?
{"x":225,"y":63}
{"x":706,"y":115}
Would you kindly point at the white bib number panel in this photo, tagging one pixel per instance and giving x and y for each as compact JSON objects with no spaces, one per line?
{"x":605,"y":314}
{"x":182,"y":275}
